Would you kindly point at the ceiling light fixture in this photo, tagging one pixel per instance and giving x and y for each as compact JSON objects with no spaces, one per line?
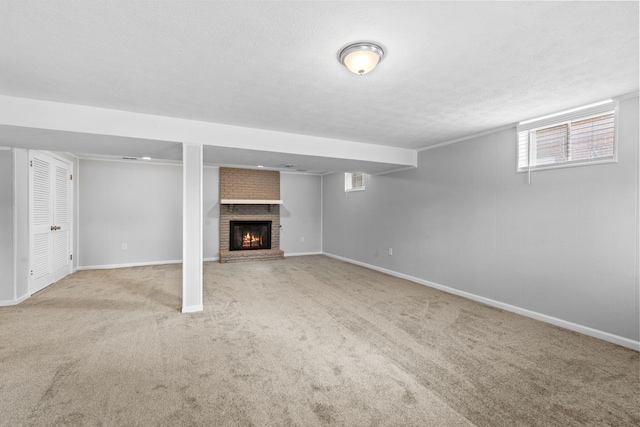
{"x":361,"y":58}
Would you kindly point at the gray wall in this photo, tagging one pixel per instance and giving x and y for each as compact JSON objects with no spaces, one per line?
{"x":14,"y":215}
{"x":6,"y":231}
{"x":21,"y":224}
{"x":300,"y":214}
{"x":140,"y":204}
{"x":211,"y":210}
{"x":136,"y":203}
{"x":564,"y":246}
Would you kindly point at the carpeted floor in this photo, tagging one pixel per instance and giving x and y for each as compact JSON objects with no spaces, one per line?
{"x":306,"y":341}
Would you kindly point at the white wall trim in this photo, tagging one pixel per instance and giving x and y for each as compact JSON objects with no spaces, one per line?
{"x":605,"y":336}
{"x":132,"y":264}
{"x":137,"y":264}
{"x":192,"y":308}
{"x":75,"y":157}
{"x":14,"y":226}
{"x":287,"y":255}
{"x":132,"y":162}
{"x":637,"y":195}
{"x":10,"y":302}
{"x":289,"y":171}
{"x":394,"y":170}
{"x":626,"y":96}
{"x":465,"y":138}
{"x":322,"y":213}
{"x":76,"y":216}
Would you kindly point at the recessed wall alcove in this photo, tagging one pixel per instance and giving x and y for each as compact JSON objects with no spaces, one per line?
{"x":249,"y":195}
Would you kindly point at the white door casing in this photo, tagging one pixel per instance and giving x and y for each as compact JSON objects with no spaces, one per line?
{"x":50,"y":219}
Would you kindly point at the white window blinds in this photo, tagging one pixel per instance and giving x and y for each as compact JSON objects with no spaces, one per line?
{"x":353,"y":181}
{"x":584,"y":136}
{"x":592,"y":138}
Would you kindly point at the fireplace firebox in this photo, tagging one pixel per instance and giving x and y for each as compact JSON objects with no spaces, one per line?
{"x":249,"y":235}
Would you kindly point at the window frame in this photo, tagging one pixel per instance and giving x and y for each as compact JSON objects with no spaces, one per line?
{"x":585,"y":113}
{"x":348,"y":178}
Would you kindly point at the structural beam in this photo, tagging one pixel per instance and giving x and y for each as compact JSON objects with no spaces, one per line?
{"x":57,"y":116}
{"x":192,"y":228}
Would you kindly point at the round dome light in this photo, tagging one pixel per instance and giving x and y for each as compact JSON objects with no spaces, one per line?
{"x":361,"y":58}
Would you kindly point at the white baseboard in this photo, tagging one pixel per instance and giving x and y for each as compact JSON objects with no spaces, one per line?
{"x":9,"y":302}
{"x":605,"y":336}
{"x":286,"y":255}
{"x":133,"y":264}
{"x":137,"y":264}
{"x":192,"y":308}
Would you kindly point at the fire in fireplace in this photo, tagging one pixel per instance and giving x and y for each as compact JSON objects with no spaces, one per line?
{"x":248,"y":235}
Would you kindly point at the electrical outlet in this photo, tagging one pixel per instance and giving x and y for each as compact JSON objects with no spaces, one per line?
{"x":302,"y":239}
{"x":390,"y":251}
{"x":124,"y":246}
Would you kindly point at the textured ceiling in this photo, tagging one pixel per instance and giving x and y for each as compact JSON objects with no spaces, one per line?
{"x":451,"y":69}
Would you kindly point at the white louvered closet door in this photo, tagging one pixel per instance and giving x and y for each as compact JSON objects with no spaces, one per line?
{"x":50,"y":195}
{"x":62,"y":220}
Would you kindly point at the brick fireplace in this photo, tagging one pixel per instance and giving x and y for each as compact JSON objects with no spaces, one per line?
{"x":249,"y":196}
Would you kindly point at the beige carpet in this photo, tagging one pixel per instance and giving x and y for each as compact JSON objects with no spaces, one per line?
{"x":305,"y":341}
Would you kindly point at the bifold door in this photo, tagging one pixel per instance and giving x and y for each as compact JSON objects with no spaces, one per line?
{"x":50,"y":217}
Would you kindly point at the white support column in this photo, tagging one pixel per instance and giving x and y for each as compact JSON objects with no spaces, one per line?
{"x":192,"y":228}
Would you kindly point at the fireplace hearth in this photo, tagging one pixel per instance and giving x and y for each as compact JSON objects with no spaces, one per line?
{"x":249,"y":235}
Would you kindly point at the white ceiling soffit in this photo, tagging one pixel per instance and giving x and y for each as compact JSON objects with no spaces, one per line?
{"x":107,"y":147}
{"x":88,"y":144}
{"x":451,"y":69}
{"x":233,"y":157}
{"x":28,"y":123}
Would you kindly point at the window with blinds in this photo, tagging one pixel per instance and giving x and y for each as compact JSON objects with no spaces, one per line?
{"x":353,"y":181}
{"x":585,"y":136}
